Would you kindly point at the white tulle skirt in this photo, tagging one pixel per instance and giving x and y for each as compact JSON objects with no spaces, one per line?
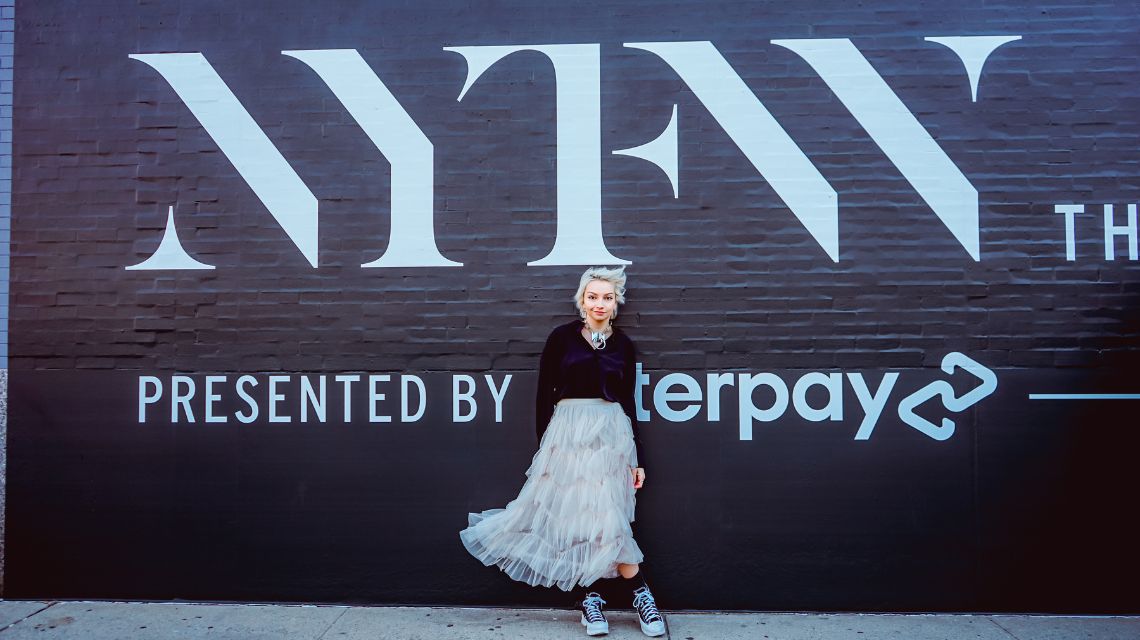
{"x":570,"y":522}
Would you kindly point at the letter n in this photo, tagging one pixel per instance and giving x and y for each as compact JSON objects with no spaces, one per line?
{"x":258,"y":162}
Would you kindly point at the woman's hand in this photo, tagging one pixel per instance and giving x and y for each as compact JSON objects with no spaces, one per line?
{"x":638,"y":477}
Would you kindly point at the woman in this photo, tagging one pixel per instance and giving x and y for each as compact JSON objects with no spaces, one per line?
{"x":570,"y":524}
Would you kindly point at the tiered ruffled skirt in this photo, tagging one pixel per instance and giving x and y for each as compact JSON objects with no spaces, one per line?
{"x":570,"y":523}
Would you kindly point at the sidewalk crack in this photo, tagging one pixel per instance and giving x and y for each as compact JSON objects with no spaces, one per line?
{"x":998,"y":625}
{"x":332,"y":624}
{"x":34,"y":613}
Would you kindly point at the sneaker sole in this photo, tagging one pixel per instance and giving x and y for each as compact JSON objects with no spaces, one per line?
{"x":597,"y":631}
{"x":647,"y":630}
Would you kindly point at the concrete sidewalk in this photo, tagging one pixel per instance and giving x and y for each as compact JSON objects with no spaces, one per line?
{"x":143,"y":621}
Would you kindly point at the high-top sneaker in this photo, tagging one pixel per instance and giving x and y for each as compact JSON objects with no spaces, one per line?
{"x":592,"y":616}
{"x":652,"y":624}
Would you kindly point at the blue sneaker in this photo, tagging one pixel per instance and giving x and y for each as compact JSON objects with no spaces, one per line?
{"x":592,"y":616}
{"x":652,"y":624}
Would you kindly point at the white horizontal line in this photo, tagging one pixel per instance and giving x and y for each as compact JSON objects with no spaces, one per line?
{"x":1084,"y":396}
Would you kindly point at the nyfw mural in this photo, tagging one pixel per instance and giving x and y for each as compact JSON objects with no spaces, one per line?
{"x":281,"y":275}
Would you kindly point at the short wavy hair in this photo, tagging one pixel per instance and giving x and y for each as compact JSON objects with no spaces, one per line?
{"x":616,"y":277}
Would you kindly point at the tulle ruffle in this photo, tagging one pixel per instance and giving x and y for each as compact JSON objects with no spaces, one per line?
{"x":570,"y":523}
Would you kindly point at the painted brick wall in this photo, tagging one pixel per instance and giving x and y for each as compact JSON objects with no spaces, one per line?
{"x":724,"y":278}
{"x":7,"y":45}
{"x":7,"y":31}
{"x":721,"y":274}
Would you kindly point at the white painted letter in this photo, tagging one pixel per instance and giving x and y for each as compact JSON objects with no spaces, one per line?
{"x":834,"y":385}
{"x":404,"y":415}
{"x":275,"y":397}
{"x":872,"y":404}
{"x":749,"y":411}
{"x":662,"y":397}
{"x":403,"y":144}
{"x":1070,"y":227}
{"x":972,"y":51}
{"x":762,"y":140}
{"x":578,"y":137}
{"x":374,"y":397}
{"x":241,"y":383}
{"x":498,"y":394}
{"x":894,"y":128}
{"x":258,"y":162}
{"x":1111,"y":231}
{"x":212,"y":397}
{"x":179,"y":399}
{"x":640,"y":380}
{"x":347,"y":381}
{"x":147,"y":398}
{"x":309,"y":396}
{"x":467,"y":397}
{"x":715,"y":382}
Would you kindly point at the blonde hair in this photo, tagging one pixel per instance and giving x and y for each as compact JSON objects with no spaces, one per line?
{"x":616,"y":277}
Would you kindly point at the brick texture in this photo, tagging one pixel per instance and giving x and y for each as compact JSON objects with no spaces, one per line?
{"x":723,"y":279}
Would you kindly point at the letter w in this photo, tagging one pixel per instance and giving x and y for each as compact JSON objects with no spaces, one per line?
{"x":762,"y":140}
{"x":894,"y":128}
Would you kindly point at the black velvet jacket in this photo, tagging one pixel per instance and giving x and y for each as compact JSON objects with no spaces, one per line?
{"x":571,"y":368}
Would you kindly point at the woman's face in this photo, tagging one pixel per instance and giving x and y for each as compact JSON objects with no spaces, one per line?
{"x":599,"y":300}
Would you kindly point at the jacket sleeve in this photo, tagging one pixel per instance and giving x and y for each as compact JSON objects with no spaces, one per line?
{"x":629,"y":378}
{"x":548,"y":374}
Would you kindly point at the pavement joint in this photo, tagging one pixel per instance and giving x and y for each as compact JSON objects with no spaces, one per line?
{"x":30,"y":615}
{"x":999,"y":626}
{"x":332,"y":624}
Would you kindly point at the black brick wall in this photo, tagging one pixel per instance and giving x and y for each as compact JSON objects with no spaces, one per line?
{"x":724,"y":278}
{"x":103,"y":146}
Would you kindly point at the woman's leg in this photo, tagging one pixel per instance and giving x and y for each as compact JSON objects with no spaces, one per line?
{"x":652,"y":624}
{"x":628,"y":571}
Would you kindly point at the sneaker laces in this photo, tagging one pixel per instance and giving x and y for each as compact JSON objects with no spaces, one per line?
{"x":646,"y":607}
{"x":592,"y":608}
